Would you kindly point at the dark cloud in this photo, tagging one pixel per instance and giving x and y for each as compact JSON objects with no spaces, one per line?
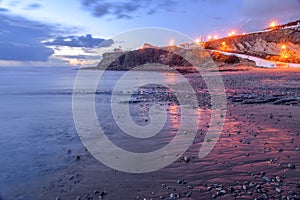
{"x":80,"y":41}
{"x":33,"y":6}
{"x":4,"y":10}
{"x":20,"y":39}
{"x":128,"y":9}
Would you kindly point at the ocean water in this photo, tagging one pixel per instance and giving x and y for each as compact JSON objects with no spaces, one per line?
{"x":37,"y":126}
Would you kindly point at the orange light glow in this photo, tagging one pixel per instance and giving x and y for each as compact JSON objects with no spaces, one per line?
{"x":244,"y":33}
{"x":233,"y":32}
{"x":223,"y":43}
{"x":197,"y":41}
{"x":283,"y":46}
{"x":273,"y":24}
{"x":209,"y":37}
{"x":216,"y":37}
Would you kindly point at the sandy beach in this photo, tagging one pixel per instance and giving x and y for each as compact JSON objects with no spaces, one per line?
{"x":256,"y":157}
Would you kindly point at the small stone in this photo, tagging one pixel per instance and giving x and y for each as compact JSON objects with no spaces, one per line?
{"x":190,"y":187}
{"x":189,"y":194}
{"x":57,"y":198}
{"x":266,"y":178}
{"x":69,"y":151}
{"x":77,"y":157}
{"x":96,"y":192}
{"x":278,"y":190}
{"x":78,"y":198}
{"x":71,"y":177}
{"x":186,"y":159}
{"x":153,"y":193}
{"x":102,"y":194}
{"x":291,"y":166}
{"x":161,"y":197}
{"x":278,"y":179}
{"x":209,"y":188}
{"x":222,"y":191}
{"x":244,"y":187}
{"x":270,"y":116}
{"x":230,"y":189}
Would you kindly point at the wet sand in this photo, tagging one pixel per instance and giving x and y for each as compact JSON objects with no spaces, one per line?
{"x":257,"y":155}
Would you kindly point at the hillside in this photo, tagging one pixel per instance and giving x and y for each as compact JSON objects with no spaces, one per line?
{"x":281,"y":43}
{"x":164,"y":56}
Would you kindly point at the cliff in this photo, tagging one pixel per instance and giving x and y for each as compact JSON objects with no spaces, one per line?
{"x":279,"y":44}
{"x":164,"y":56}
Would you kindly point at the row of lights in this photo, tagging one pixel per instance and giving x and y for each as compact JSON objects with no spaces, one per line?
{"x":232,"y":33}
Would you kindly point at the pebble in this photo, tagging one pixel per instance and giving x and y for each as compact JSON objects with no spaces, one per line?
{"x":189,"y":194}
{"x":278,"y":190}
{"x":209,"y":188}
{"x":291,"y":166}
{"x":278,"y":179}
{"x":179,"y":181}
{"x":266,"y":178}
{"x":244,"y":187}
{"x":77,"y":157}
{"x":96,"y":192}
{"x":103,"y":193}
{"x":71,"y":177}
{"x":78,"y":198}
{"x":69,"y":151}
{"x":186,"y":159}
{"x":57,"y":198}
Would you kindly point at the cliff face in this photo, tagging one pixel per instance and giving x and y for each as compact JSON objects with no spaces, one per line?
{"x":164,"y":56}
{"x":277,"y":44}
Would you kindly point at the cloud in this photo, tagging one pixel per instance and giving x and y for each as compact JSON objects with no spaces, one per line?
{"x":80,"y":41}
{"x":20,"y":39}
{"x":33,"y":6}
{"x":4,"y":10}
{"x":126,"y":9}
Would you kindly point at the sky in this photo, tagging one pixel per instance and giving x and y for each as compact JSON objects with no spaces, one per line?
{"x":66,"y":33}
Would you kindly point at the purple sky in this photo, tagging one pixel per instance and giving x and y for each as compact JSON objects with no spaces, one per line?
{"x":56,"y":32}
